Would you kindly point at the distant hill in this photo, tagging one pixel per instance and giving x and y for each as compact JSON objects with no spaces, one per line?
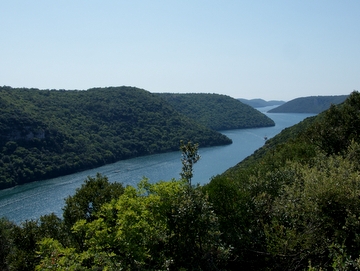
{"x":260,"y":102}
{"x":218,"y":112}
{"x":312,"y":104}
{"x":49,"y":133}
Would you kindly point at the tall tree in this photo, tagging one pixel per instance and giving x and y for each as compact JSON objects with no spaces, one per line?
{"x":190,"y":156}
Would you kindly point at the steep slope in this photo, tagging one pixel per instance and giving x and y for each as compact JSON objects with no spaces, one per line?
{"x":312,"y":104}
{"x":48,"y":133}
{"x":218,"y":112}
{"x":295,"y":202}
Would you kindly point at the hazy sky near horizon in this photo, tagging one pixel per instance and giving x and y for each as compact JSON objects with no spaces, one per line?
{"x":244,"y":49}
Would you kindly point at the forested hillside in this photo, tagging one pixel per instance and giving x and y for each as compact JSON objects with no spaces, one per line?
{"x":312,"y":104}
{"x":293,"y":205}
{"x":218,"y":112}
{"x":48,"y":133}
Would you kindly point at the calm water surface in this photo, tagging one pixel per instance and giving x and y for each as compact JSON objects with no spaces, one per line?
{"x":30,"y":201}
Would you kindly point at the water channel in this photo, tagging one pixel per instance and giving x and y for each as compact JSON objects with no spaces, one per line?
{"x":30,"y":201}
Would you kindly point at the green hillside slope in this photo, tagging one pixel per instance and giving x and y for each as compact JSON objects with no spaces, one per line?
{"x":218,"y":112}
{"x":294,"y":204}
{"x":48,"y":133}
{"x":313,"y":104}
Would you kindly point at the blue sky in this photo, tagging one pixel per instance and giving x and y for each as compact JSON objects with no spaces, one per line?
{"x":244,"y":49}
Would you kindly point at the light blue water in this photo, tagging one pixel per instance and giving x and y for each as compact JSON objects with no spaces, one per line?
{"x":30,"y":201}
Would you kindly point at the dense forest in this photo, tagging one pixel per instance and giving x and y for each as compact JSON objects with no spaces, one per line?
{"x":312,"y":104}
{"x":292,"y":205}
{"x":218,"y":112}
{"x":49,"y":133}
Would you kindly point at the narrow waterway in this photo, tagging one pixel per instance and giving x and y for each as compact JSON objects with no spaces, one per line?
{"x":32,"y":200}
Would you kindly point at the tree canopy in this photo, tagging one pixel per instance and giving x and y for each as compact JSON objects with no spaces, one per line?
{"x":49,"y":133}
{"x":312,"y":104}
{"x":293,"y":205}
{"x":218,"y":112}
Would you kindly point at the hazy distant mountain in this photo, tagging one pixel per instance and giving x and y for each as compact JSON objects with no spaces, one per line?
{"x":260,"y":102}
{"x":312,"y":104}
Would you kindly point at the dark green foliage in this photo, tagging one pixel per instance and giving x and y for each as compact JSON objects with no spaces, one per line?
{"x":195,"y":241}
{"x":313,"y":104}
{"x":313,"y":212}
{"x":51,"y":226}
{"x":19,"y":243}
{"x":6,"y":243}
{"x":337,"y":127}
{"x":24,"y":237}
{"x":87,"y":201}
{"x":218,"y":112}
{"x":190,"y":156}
{"x":294,"y":204}
{"x":49,"y":133}
{"x":22,"y":241}
{"x":233,"y":206}
{"x":293,"y":135}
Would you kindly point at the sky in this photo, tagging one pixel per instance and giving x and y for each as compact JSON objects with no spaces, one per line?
{"x":274,"y":50}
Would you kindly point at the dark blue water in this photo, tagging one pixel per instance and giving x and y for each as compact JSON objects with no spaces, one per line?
{"x":32,"y":200}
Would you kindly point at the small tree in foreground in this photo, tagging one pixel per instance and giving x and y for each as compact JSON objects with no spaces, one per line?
{"x":190,"y":156}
